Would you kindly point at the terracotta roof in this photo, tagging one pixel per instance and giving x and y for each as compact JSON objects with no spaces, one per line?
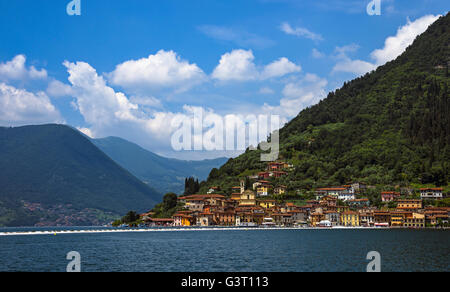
{"x":359,"y":200}
{"x":390,"y":193}
{"x":161,"y":220}
{"x":349,"y":213}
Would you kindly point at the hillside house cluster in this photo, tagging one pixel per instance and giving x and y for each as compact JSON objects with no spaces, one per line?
{"x":344,"y":205}
{"x":247,"y":209}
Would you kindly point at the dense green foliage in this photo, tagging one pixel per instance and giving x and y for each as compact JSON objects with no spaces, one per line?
{"x":56,"y":165}
{"x":168,"y":207}
{"x":389,"y":127}
{"x":163,"y":174}
{"x":131,"y":218}
{"x":191,"y":186}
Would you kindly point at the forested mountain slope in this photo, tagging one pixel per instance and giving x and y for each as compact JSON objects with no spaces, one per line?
{"x":390,"y":126}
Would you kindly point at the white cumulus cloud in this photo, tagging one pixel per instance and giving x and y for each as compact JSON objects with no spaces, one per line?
{"x":238,"y":65}
{"x":17,"y":70}
{"x":165,"y":69}
{"x":21,"y":107}
{"x":280,"y":68}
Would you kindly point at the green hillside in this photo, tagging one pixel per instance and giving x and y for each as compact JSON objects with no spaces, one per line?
{"x":52,"y":174}
{"x":389,"y":127}
{"x":163,"y":174}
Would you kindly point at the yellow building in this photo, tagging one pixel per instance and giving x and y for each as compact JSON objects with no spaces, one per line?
{"x":397,"y":219}
{"x":236,"y":196}
{"x":263,"y":190}
{"x":316,"y":217}
{"x":350,"y":218}
{"x":408,"y":205}
{"x":247,"y":199}
{"x":186,"y":220}
{"x":267,"y":204}
{"x":415,"y":220}
{"x":183,"y":219}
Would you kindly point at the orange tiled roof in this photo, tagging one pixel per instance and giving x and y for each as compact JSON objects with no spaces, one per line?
{"x":390,"y":193}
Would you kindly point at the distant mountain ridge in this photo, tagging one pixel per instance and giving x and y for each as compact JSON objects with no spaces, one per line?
{"x":163,"y":174}
{"x":52,"y":174}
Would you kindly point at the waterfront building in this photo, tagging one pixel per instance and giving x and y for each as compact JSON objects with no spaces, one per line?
{"x":415,"y":220}
{"x":155,"y":222}
{"x":183,"y":218}
{"x":366,"y":218}
{"x":225,"y":218}
{"x":398,"y":218}
{"x":316,"y":217}
{"x":205,"y":219}
{"x":298,"y":217}
{"x":382,"y":217}
{"x":350,"y":219}
{"x":333,"y":217}
{"x":287,"y":220}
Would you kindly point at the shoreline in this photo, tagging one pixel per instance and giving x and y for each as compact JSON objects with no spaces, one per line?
{"x":100,"y":231}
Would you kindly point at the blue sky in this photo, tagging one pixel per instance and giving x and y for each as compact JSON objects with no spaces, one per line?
{"x":128,"y":68}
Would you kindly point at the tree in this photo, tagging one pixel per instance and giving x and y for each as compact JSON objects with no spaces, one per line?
{"x":130,"y":217}
{"x":170,"y":201}
{"x":191,"y":186}
{"x":248,"y":185}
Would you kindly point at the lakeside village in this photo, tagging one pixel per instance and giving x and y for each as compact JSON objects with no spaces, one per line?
{"x":344,"y":206}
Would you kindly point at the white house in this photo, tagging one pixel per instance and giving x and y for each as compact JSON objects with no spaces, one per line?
{"x":431,"y":193}
{"x":346,"y":196}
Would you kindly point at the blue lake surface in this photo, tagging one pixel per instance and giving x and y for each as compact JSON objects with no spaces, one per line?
{"x":229,"y":251}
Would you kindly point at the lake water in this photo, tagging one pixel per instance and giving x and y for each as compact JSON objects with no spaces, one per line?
{"x":230,"y":251}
